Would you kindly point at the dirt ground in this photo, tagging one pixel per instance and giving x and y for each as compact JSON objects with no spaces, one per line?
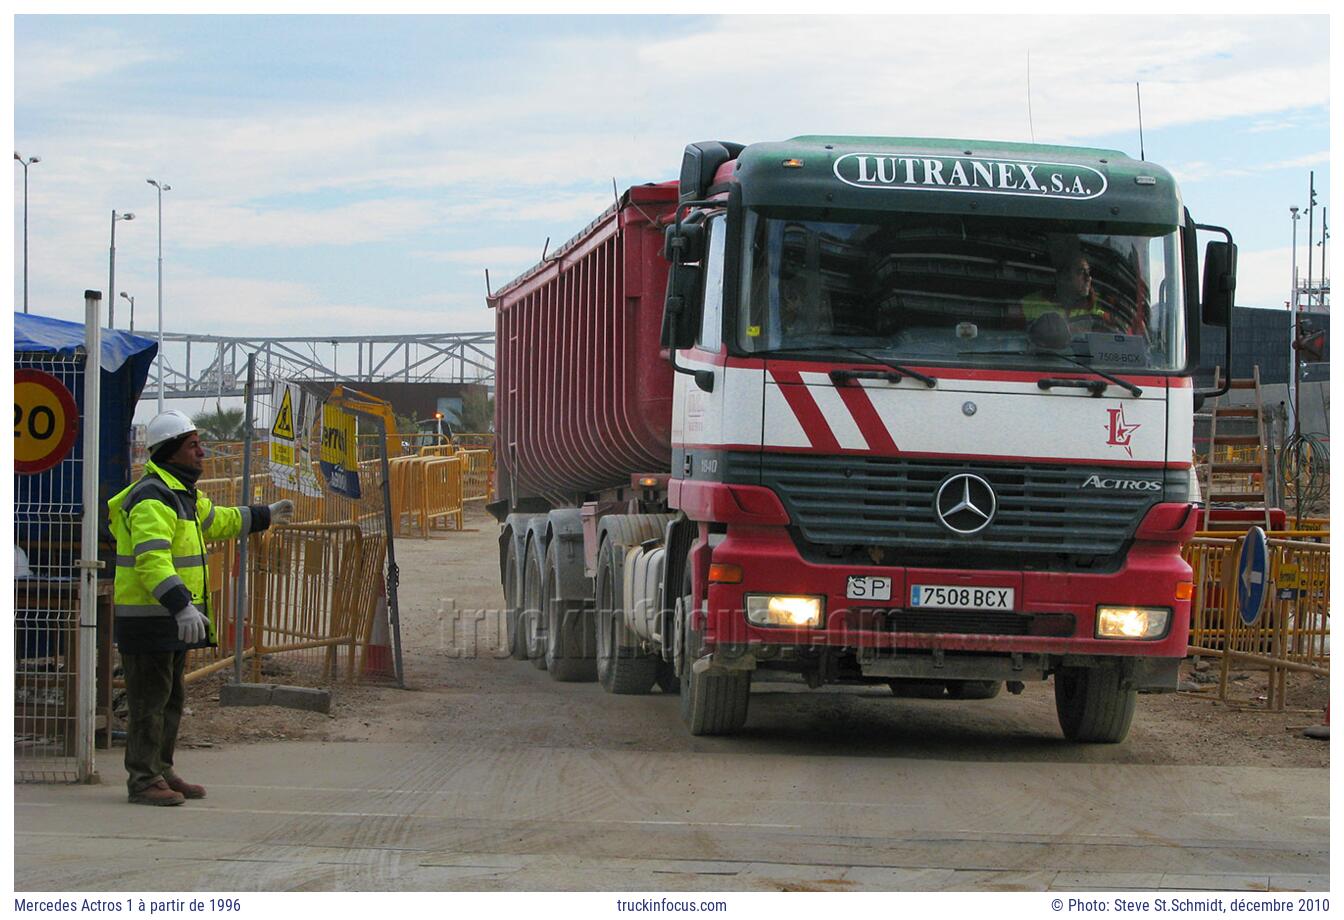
{"x":457,"y":681}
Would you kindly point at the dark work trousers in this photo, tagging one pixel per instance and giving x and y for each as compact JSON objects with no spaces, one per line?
{"x":155,"y":692}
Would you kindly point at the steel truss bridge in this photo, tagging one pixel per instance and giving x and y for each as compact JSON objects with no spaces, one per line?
{"x":215,"y":365}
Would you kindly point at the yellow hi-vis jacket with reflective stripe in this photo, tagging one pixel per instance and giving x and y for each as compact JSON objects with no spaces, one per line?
{"x":161,"y":534}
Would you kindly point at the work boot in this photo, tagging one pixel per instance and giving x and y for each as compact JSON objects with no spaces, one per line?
{"x":156,"y":793}
{"x":188,"y":790}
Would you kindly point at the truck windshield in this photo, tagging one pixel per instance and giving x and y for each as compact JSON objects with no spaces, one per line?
{"x":962,"y":290}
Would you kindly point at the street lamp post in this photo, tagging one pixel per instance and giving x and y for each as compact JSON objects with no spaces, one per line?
{"x":26,"y":163}
{"x":112,"y":269}
{"x":132,"y":301}
{"x":162,"y":187}
{"x":1292,"y":327}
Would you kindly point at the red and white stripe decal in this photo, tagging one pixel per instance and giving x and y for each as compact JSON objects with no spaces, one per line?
{"x":806,"y":411}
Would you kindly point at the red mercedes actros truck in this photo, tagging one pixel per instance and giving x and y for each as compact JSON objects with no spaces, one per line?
{"x":861,"y":410}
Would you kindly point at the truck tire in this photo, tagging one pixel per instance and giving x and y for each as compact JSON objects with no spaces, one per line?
{"x":514,"y":639}
{"x":529,"y":618}
{"x":973,"y":689}
{"x":620,"y":668}
{"x":1092,"y":706}
{"x":711,"y":704}
{"x":569,"y":657}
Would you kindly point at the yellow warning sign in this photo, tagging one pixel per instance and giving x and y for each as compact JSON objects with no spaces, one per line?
{"x":1290,"y":576}
{"x":284,"y":419}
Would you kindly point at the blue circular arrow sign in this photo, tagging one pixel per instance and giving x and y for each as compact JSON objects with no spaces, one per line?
{"x":1252,"y":575}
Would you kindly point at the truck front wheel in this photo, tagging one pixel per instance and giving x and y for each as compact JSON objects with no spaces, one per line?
{"x":711,"y":703}
{"x":1092,"y":706}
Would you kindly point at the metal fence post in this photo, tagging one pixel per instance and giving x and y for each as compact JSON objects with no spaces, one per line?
{"x":240,"y":588}
{"x":86,"y":673}
{"x":393,"y":574}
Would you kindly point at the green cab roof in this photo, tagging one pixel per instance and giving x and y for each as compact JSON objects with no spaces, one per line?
{"x":844,"y":176}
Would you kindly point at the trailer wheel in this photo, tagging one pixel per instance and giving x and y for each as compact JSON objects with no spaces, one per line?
{"x":711,"y":704}
{"x":620,"y":669}
{"x":529,"y":618}
{"x":1092,"y":706}
{"x":567,"y":658}
{"x":973,"y":689}
{"x":514,"y":637}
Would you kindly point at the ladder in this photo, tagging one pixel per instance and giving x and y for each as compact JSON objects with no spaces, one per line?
{"x":1230,"y":479}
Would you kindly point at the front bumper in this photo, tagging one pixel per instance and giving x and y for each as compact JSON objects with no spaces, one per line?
{"x":1054,"y":613}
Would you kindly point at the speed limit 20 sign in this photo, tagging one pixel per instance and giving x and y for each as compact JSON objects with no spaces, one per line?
{"x":46,"y":421}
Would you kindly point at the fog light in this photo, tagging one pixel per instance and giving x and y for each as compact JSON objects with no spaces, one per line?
{"x":1132,"y":622}
{"x":784,"y":610}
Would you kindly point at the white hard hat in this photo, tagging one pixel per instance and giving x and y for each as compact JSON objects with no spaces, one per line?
{"x":165,"y":426}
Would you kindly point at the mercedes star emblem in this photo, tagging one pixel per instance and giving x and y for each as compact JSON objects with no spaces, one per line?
{"x":968,"y":408}
{"x":965,"y":503}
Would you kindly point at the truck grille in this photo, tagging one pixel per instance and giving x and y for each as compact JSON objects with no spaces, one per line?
{"x":1043,"y":510}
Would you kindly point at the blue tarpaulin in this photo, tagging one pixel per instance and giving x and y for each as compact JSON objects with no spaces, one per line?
{"x":44,"y":334}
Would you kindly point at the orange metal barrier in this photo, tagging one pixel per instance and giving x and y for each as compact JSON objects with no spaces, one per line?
{"x":441,"y":493}
{"x":478,"y":474}
{"x":1292,"y":632}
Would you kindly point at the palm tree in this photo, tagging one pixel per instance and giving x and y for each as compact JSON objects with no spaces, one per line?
{"x":221,"y":425}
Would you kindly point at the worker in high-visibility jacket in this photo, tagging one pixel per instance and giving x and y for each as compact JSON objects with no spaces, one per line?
{"x":161,"y":595}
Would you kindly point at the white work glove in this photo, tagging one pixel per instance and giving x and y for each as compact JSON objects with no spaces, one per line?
{"x":282,"y":512}
{"x":191,"y":625}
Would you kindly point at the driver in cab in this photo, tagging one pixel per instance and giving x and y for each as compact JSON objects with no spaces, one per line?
{"x":1072,"y":308}
{"x":801,"y":318}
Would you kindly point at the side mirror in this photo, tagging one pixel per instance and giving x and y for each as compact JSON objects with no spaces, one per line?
{"x":681,"y":311}
{"x":699,"y":163}
{"x":684,"y":242}
{"x":1220,"y":283}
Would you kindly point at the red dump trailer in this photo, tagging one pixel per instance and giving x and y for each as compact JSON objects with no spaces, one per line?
{"x":584,"y":397}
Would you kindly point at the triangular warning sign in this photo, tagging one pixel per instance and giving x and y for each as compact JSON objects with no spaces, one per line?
{"x":284,"y":419}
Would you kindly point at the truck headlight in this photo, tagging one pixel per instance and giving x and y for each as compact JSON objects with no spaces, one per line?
{"x":784,"y":610}
{"x":1132,"y":622}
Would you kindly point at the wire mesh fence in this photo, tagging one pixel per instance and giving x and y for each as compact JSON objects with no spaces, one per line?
{"x":48,"y":513}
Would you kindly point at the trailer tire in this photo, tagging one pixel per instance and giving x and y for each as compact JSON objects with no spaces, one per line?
{"x":620,"y":669}
{"x":514,"y":638}
{"x":973,"y":689}
{"x":711,"y":703}
{"x":568,"y":656}
{"x":529,"y":618}
{"x":1092,"y":705}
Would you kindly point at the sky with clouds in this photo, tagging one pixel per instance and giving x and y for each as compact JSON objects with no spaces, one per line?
{"x":348,"y":174}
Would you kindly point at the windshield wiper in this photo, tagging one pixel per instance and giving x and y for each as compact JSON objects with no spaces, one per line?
{"x":1094,"y":386}
{"x":838,"y":375}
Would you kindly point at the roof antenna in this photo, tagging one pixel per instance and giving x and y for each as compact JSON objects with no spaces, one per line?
{"x":1139,"y":97}
{"x":488,"y":294}
{"x":1031,"y":123}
